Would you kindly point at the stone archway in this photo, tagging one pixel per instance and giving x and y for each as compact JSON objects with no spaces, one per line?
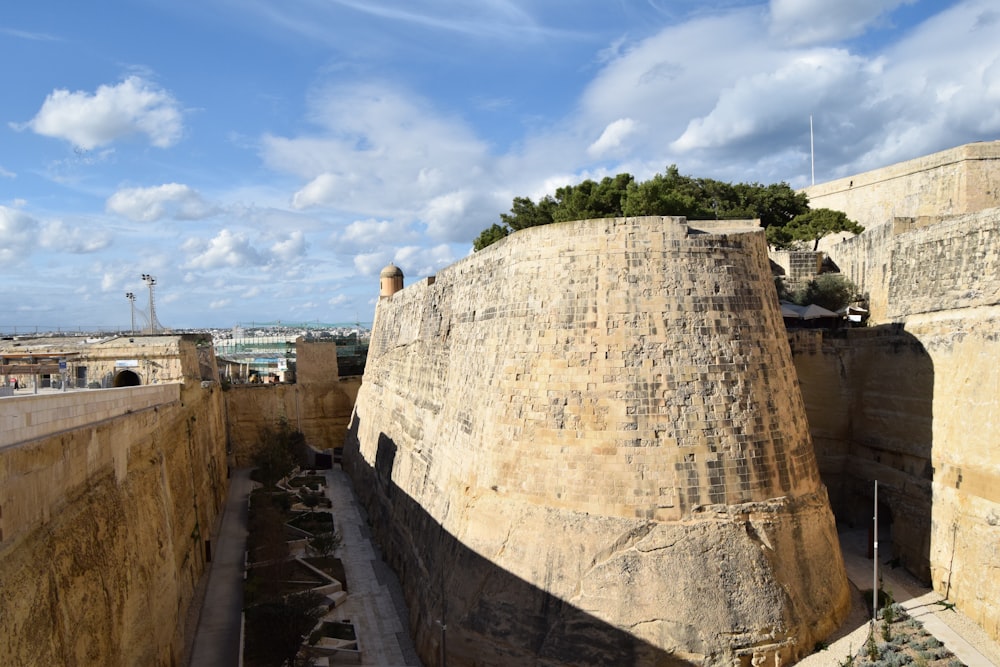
{"x":127,"y":379}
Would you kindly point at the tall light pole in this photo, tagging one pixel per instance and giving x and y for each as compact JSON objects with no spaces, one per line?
{"x":875,"y":563}
{"x":150,"y":283}
{"x":131,"y":301}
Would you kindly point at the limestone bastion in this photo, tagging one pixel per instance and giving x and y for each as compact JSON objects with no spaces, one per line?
{"x":586,"y":445}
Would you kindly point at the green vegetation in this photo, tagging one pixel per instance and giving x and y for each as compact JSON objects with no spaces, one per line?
{"x":279,"y":450}
{"x":811,"y":226}
{"x":904,"y":642}
{"x":281,"y":609}
{"x":669,"y":193}
{"x":832,"y":291}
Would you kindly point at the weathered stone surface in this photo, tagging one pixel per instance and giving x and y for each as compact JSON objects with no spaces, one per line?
{"x":869,"y":394}
{"x":585,"y":445}
{"x":914,"y":406}
{"x":104,"y":530}
{"x":913,"y":403}
{"x":318,"y":405}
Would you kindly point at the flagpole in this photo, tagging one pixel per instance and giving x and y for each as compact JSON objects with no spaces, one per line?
{"x":812,"y":150}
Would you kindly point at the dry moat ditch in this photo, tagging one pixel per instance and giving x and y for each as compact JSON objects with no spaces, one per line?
{"x":294,"y":580}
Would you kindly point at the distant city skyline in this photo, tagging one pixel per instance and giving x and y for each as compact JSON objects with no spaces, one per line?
{"x":267,"y":159}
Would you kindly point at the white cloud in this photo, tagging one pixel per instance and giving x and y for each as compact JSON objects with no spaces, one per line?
{"x":370,"y":233}
{"x":218,"y":304}
{"x":457,"y":216}
{"x":21,"y":234}
{"x":338,"y":300}
{"x":321,"y":189}
{"x":226,"y":250}
{"x":56,"y":235}
{"x":740,"y":110}
{"x":933,"y":99}
{"x":291,"y":247}
{"x":134,"y":106}
{"x":7,"y":174}
{"x":17,"y":235}
{"x":170,"y":200}
{"x":612,"y":137}
{"x":423,"y":261}
{"x":769,"y":102}
{"x":371,"y":263}
{"x":381,"y":151}
{"x":802,"y":22}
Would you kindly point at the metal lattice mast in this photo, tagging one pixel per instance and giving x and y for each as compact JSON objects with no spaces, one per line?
{"x":131,"y":301}
{"x":154,"y":324}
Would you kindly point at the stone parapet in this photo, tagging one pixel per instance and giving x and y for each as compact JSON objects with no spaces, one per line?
{"x":959,"y":180}
{"x":24,"y":418}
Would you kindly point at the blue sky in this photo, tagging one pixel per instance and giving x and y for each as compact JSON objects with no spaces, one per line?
{"x":264,"y":159}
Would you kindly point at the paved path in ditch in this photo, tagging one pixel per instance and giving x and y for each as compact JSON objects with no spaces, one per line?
{"x":217,"y":640}
{"x":375,"y":602}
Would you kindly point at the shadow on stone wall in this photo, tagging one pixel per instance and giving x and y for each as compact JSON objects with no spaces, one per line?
{"x":466,"y":608}
{"x":869,"y":397}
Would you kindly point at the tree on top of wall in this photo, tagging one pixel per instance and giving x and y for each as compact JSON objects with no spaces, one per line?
{"x":669,"y":193}
{"x":812,"y":226}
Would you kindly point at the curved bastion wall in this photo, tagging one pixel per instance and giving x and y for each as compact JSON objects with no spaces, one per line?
{"x":586,"y":445}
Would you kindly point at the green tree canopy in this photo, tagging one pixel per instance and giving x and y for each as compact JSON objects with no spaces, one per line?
{"x":832,"y":291}
{"x":489,"y":236}
{"x":669,"y":193}
{"x":812,"y":226}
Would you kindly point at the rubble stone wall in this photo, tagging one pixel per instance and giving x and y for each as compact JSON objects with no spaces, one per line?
{"x":592,"y":431}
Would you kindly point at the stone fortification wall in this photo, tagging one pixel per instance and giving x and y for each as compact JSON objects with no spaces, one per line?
{"x":952,"y":264}
{"x":965,"y":518}
{"x":585,"y":445}
{"x":320,"y":411}
{"x":865,"y":259}
{"x":912,"y":266}
{"x":955,"y":181}
{"x":797,"y":265}
{"x":913,"y":404}
{"x":318,"y":405}
{"x":914,"y":407}
{"x":105,"y":529}
{"x":95,"y":363}
{"x":869,"y":394}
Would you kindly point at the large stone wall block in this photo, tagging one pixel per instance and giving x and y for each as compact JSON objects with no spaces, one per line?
{"x":586,"y":445}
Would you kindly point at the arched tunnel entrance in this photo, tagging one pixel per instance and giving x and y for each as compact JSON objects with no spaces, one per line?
{"x":127,"y":379}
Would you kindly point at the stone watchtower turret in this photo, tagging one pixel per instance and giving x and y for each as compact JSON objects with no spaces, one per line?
{"x":390,"y":280}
